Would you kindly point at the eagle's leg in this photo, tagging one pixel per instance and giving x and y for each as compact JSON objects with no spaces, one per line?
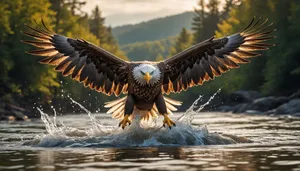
{"x":129,"y":106}
{"x":162,"y":109}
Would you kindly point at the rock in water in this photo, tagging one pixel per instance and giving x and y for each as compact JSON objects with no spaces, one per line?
{"x":295,"y":95}
{"x":267,"y":103}
{"x":240,"y":108}
{"x":291,"y":107}
{"x":244,"y":96}
{"x":10,"y":112}
{"x":225,"y":108}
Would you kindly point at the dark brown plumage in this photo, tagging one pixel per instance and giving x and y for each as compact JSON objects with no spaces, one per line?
{"x":106,"y":73}
{"x":83,"y":61}
{"x":213,"y":57}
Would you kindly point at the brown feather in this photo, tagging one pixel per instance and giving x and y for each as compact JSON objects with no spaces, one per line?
{"x":39,"y":44}
{"x":80,"y":59}
{"x":43,"y":52}
{"x":37,"y":37}
{"x":46,"y":60}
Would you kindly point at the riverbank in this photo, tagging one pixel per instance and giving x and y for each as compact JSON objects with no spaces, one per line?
{"x":249,"y":102}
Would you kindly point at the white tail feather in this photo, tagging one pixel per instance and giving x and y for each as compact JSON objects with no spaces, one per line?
{"x":171,"y":107}
{"x":119,"y":113}
{"x":113,"y":103}
{"x":173,"y":102}
{"x":114,"y":108}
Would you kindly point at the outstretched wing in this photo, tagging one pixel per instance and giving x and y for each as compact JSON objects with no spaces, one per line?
{"x":213,"y":57}
{"x":83,"y":61}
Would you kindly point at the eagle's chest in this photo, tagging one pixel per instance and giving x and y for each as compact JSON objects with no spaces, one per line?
{"x":146,"y":92}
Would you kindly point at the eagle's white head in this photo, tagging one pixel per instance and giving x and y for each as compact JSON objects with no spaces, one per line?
{"x":146,"y":74}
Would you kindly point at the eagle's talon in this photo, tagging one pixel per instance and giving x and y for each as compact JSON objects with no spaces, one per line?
{"x":168,"y":121}
{"x":124,"y":122}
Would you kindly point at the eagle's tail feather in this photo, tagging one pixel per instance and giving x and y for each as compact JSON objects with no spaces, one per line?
{"x":153,"y":113}
{"x":119,"y":113}
{"x":115,"y":102}
{"x":116,"y":108}
{"x":173,"y":102}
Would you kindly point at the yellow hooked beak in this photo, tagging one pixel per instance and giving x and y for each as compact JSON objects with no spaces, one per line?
{"x":147,"y":77}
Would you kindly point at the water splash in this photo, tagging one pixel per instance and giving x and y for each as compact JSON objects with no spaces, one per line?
{"x":133,"y":136}
{"x":50,"y":124}
{"x":195,"y":108}
{"x":97,"y":126}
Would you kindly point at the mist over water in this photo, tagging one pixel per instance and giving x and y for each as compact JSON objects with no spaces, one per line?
{"x":135,"y":135}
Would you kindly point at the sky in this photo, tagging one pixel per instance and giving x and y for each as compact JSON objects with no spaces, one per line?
{"x":120,"y":12}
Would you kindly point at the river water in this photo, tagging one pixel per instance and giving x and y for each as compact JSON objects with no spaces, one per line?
{"x":200,"y":141}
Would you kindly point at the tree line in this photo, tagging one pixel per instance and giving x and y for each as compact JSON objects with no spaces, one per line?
{"x":276,"y":72}
{"x":25,"y":82}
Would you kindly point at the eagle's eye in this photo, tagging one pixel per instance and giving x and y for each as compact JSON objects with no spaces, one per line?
{"x":151,"y":72}
{"x":142,"y":73}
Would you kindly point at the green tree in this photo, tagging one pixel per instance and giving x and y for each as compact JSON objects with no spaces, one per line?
{"x":205,"y":23}
{"x":103,"y":33}
{"x":5,"y":62}
{"x":20,"y":69}
{"x":75,"y":6}
{"x":198,"y":21}
{"x":97,"y":25}
{"x":283,"y":62}
{"x":229,"y":5}
{"x":207,"y":17}
{"x":22,"y":79}
{"x":183,"y":41}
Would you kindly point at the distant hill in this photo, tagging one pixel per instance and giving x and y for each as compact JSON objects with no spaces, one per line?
{"x":149,"y":50}
{"x":154,"y":29}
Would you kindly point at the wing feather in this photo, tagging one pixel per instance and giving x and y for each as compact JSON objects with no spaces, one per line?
{"x":212,"y":57}
{"x":83,"y":61}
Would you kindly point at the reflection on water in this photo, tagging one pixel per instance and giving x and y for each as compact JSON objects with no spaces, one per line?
{"x":175,"y":158}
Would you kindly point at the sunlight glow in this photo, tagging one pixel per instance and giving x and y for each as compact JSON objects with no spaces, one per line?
{"x":120,"y":12}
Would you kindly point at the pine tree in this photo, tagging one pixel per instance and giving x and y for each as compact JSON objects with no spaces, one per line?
{"x":103,"y":33}
{"x":183,"y":41}
{"x":97,"y":26}
{"x":198,"y":19}
{"x":229,"y":5}
{"x":207,"y":17}
{"x":110,"y":38}
{"x":75,"y":6}
{"x":205,"y":23}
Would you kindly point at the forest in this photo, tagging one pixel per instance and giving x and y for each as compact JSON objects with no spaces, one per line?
{"x":26,"y":83}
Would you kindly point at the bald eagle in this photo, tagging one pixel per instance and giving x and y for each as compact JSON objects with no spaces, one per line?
{"x":146,"y":82}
